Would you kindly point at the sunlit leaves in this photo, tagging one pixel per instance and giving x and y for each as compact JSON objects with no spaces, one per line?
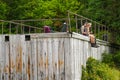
{"x":3,"y":10}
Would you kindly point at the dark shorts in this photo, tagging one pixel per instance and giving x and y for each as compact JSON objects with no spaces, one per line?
{"x":85,"y":34}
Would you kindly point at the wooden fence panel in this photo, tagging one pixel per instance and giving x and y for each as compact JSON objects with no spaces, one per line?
{"x":75,"y":56}
{"x":39,"y":59}
{"x":20,"y":58}
{"x":72,"y":59}
{"x":82,"y":53}
{"x":3,"y":52}
{"x":61,"y":59}
{"x":28,"y":60}
{"x":80,"y":59}
{"x":46,"y":59}
{"x":23,"y":44}
{"x":12,"y":56}
{"x":54,"y":58}
{"x":77,"y":59}
{"x":67,"y":59}
{"x":50,"y":63}
{"x":34,"y":59}
{"x":6,"y":60}
{"x":42,"y":58}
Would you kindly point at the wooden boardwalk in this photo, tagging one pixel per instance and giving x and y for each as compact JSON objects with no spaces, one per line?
{"x":50,"y":56}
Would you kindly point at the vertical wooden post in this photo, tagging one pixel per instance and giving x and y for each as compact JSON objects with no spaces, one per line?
{"x":2,"y":27}
{"x":95,"y":29}
{"x":69,"y":22}
{"x":29,"y":30}
{"x":21,"y":28}
{"x":81,"y":23}
{"x":34,"y":30}
{"x":9,"y":28}
{"x":76,"y":23}
{"x":98,"y":31}
{"x":107,"y":32}
{"x":17,"y":29}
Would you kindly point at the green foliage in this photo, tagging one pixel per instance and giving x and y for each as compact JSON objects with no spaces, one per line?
{"x":96,"y":70}
{"x":116,"y":59}
{"x":32,"y":9}
{"x":113,"y":60}
{"x":101,"y":34}
{"x":103,"y":11}
{"x":108,"y":59}
{"x":3,"y":10}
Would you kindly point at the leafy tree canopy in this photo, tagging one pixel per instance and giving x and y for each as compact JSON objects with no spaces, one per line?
{"x":104,"y":11}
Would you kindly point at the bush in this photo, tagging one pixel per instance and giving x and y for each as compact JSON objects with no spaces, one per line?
{"x":108,"y":59}
{"x":116,"y":59}
{"x":113,"y":60}
{"x":96,"y":70}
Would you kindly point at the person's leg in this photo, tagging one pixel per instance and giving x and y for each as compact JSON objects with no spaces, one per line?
{"x":93,"y":41}
{"x":92,"y":38}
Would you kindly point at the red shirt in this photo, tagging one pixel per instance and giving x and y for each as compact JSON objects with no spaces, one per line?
{"x":46,"y":29}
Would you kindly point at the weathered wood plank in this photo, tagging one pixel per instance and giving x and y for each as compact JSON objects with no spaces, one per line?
{"x":4,"y":58}
{"x":28,"y":58}
{"x":7,"y":60}
{"x":23,"y":42}
{"x":67,"y":59}
{"x":19,"y":57}
{"x":85,"y":53}
{"x":12,"y":56}
{"x":45,"y":58}
{"x":75,"y":53}
{"x":55,"y":59}
{"x":34,"y":59}
{"x":79,"y":57}
{"x":50,"y":64}
{"x":61,"y":60}
{"x":40,"y":59}
{"x":72,"y":58}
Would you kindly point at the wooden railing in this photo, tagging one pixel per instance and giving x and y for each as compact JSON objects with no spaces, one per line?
{"x":73,"y":21}
{"x":10,"y":27}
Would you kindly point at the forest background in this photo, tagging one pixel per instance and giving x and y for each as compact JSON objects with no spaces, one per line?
{"x":106,"y":12}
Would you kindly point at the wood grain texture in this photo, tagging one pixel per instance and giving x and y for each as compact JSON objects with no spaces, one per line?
{"x":51,"y":56}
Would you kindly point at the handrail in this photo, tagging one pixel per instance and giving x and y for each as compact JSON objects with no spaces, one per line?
{"x":85,"y":18}
{"x":71,"y":26}
{"x":98,"y":27}
{"x":21,"y":25}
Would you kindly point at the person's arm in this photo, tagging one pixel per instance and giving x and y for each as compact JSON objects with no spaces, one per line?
{"x":82,"y":29}
{"x":90,"y":31}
